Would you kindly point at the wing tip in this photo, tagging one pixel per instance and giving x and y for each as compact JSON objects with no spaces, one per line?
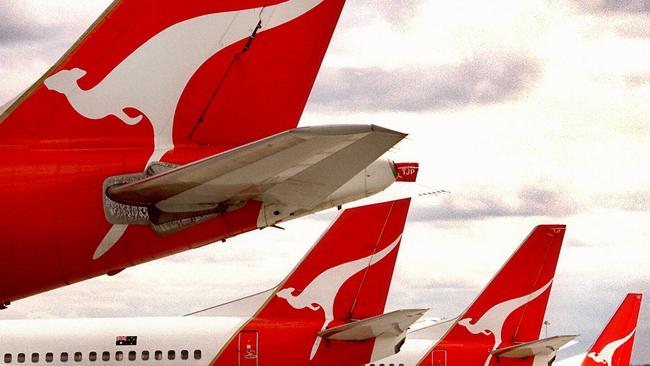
{"x":348,"y":129}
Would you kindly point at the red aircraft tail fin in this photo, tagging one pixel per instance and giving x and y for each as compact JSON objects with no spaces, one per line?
{"x":511,"y":309}
{"x":345,"y":277}
{"x":614,"y":345}
{"x":219,"y":73}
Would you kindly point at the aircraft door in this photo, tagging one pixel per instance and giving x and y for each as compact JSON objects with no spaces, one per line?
{"x":439,"y":358}
{"x":247,"y":348}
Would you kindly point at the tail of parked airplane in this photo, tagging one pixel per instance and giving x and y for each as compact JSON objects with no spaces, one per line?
{"x":510,"y":310}
{"x":158,"y":75}
{"x":339,"y":290}
{"x":614,"y":345}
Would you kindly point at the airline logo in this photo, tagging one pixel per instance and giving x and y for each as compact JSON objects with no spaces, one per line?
{"x":322,"y":291}
{"x":152,"y":79}
{"x":605,"y":355}
{"x":491,"y":323}
{"x":407,"y":172}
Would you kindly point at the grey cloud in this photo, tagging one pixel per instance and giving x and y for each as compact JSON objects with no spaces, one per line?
{"x":530,"y":201}
{"x":17,"y":26}
{"x":626,"y":6}
{"x":485,"y":79}
{"x":629,"y":201}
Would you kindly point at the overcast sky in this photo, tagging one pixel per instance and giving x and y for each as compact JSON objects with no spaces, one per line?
{"x":529,"y":112}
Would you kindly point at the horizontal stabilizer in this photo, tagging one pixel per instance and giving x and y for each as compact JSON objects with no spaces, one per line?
{"x":391,"y":324}
{"x":297,"y":168}
{"x":429,"y":329}
{"x":244,"y":307}
{"x":535,"y":348}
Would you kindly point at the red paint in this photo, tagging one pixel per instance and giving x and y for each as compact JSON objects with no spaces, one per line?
{"x":620,"y":326}
{"x":529,"y":269}
{"x":287,"y":334}
{"x":54,"y":160}
{"x":407,"y":172}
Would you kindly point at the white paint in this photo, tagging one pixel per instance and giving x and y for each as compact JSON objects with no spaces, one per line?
{"x":152,"y":79}
{"x":98,"y":335}
{"x":605,"y":355}
{"x":114,"y":234}
{"x":375,"y":178}
{"x":322,"y":291}
{"x":571,"y":361}
{"x":491,"y":323}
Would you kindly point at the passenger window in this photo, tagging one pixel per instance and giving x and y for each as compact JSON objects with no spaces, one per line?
{"x":64,"y":357}
{"x":21,"y":358}
{"x":49,"y":357}
{"x":35,"y":357}
{"x":185,"y":355}
{"x":119,"y":356}
{"x":92,"y":356}
{"x":158,"y":355}
{"x":77,"y":357}
{"x":132,"y":356}
{"x":171,"y":355}
{"x":145,"y":355}
{"x":197,"y":354}
{"x":106,"y":356}
{"x":7,"y":357}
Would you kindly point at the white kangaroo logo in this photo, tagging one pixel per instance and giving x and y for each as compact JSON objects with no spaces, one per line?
{"x":322,"y":291}
{"x":605,"y":355}
{"x":491,"y":323}
{"x":152,"y":79}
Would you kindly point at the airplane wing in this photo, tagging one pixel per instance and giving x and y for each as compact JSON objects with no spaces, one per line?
{"x":530,"y":349}
{"x":298,"y":168}
{"x":391,"y":324}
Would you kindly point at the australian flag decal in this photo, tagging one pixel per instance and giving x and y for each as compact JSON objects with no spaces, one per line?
{"x":126,"y":341}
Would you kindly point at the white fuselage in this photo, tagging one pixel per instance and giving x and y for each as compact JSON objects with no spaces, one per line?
{"x":202,"y":335}
{"x":188,"y":340}
{"x":571,"y":361}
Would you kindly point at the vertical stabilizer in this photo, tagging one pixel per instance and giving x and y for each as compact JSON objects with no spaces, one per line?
{"x":614,"y":345}
{"x":510,"y":310}
{"x":345,"y":277}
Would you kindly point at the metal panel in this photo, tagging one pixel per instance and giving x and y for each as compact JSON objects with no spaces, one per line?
{"x":247,"y":348}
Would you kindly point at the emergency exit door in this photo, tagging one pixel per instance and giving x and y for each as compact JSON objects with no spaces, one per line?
{"x":439,"y":358}
{"x":248,"y":348}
